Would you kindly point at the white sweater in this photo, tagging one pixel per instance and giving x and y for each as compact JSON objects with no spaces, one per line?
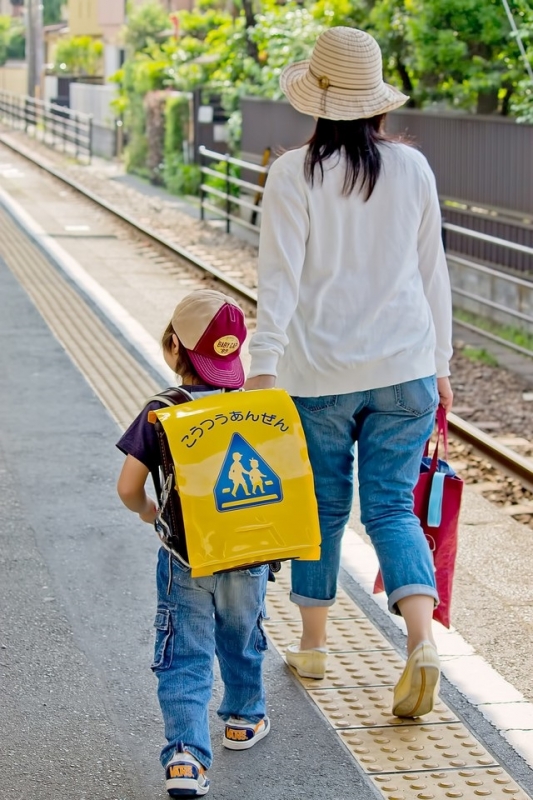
{"x":353,"y":295}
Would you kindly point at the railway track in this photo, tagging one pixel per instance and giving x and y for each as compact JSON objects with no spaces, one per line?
{"x":514,"y":467}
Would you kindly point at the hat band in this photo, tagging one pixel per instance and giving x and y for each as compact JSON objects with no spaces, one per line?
{"x":324,"y":83}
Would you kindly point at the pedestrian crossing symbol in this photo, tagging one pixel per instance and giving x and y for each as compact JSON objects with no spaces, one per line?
{"x":245,"y":478}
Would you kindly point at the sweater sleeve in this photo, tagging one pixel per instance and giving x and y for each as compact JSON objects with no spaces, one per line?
{"x":435,"y":277}
{"x":282,"y":245}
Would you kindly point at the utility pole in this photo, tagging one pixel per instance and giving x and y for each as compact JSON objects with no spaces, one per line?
{"x":34,"y":45}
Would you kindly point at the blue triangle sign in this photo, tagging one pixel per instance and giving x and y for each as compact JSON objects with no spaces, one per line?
{"x":245,"y":479}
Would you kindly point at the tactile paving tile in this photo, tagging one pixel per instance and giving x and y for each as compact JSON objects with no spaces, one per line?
{"x":369,"y":708}
{"x":279,"y":606}
{"x":376,"y":668}
{"x":469,"y":784}
{"x":420,"y":747}
{"x":346,"y":635}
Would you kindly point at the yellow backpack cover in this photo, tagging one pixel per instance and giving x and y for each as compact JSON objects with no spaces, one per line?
{"x":241,"y":470}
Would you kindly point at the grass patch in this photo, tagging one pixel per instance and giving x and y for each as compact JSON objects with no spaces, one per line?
{"x":480,"y":355}
{"x":508,"y":332}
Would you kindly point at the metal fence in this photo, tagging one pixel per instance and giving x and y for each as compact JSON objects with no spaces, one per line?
{"x":493,"y":225}
{"x":221,"y":192}
{"x":56,"y":126}
{"x":479,"y":160}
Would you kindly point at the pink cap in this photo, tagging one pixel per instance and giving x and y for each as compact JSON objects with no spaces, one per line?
{"x":212,"y":329}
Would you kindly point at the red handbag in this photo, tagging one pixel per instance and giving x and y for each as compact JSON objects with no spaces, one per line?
{"x":437,"y":503}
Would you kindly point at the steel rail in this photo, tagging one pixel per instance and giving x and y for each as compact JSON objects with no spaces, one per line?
{"x":175,"y":249}
{"x":513,"y":464}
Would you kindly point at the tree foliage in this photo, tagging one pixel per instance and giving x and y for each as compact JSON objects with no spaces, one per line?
{"x":458,"y":53}
{"x":79,"y":55}
{"x":12,"y":39}
{"x":52,"y":11}
{"x":145,"y":24}
{"x":5,"y":24}
{"x":450,"y":54}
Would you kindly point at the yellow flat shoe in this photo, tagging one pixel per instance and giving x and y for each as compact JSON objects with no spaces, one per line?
{"x":416,"y":691}
{"x":307,"y":663}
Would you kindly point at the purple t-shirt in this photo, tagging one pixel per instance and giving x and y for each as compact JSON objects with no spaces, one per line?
{"x":140,"y":440}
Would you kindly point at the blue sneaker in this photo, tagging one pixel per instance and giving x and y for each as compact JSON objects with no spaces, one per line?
{"x":241,"y":734}
{"x":185,"y":776}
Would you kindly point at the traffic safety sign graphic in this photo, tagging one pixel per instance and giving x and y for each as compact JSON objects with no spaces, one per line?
{"x":245,"y":479}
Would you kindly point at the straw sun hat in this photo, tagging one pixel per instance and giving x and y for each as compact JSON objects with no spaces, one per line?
{"x":343,"y":78}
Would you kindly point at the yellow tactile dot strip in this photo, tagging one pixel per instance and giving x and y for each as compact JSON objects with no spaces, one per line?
{"x":369,"y":707}
{"x":468,"y":784}
{"x":421,"y":747}
{"x":428,"y":758}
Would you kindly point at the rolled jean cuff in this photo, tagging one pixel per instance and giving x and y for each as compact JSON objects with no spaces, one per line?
{"x":300,"y":600}
{"x":408,"y":591}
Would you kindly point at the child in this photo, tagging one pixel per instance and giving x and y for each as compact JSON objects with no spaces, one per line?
{"x":197,"y":618}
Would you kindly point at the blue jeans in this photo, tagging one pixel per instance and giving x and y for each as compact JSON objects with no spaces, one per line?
{"x":391,"y":426}
{"x":196,"y":618}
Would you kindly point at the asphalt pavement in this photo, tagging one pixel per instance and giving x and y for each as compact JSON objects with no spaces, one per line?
{"x":79,"y":716}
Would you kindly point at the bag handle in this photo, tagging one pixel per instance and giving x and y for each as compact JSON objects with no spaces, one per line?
{"x":442,"y":431}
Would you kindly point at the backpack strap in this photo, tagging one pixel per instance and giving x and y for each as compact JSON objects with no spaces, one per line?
{"x":173,"y":396}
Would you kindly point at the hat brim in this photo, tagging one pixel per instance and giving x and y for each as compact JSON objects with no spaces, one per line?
{"x":303,"y":92}
{"x":225,"y":373}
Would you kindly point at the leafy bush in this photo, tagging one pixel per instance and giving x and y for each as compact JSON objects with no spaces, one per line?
{"x":154,"y":104}
{"x":179,"y":177}
{"x":177,"y":113}
{"x":79,"y":55}
{"x":16,"y":46}
{"x":145,"y":24}
{"x":221,"y":184}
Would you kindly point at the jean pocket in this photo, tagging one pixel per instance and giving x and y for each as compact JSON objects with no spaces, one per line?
{"x":163,"y":640}
{"x":417,"y":397}
{"x":315,"y":404}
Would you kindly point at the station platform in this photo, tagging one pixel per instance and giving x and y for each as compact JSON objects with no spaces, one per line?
{"x":81,"y":310}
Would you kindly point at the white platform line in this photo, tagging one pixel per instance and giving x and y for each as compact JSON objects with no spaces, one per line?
{"x":498,"y":700}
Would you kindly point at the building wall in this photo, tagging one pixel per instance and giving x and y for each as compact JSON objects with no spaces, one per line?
{"x":83,"y":18}
{"x":111,"y":18}
{"x":14,"y":77}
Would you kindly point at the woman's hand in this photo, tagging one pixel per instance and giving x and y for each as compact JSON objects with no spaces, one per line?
{"x":261,"y":382}
{"x":445,"y":393}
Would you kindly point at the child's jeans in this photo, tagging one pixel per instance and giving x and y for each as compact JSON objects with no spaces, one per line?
{"x":196,"y":618}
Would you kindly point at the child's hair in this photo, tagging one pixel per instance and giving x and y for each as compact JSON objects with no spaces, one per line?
{"x":183,"y":366}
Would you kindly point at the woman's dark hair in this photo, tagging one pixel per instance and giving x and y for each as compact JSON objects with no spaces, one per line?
{"x":359,"y":140}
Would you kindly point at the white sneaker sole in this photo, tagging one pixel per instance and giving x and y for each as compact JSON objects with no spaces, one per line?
{"x":184,"y":787}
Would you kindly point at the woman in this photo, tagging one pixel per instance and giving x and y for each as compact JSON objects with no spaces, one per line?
{"x":354,"y":320}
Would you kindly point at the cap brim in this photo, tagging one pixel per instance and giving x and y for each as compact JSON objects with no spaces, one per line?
{"x":220,"y":372}
{"x":304,"y":94}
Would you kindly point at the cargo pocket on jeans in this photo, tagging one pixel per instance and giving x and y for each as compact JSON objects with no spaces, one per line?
{"x":163,"y":641}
